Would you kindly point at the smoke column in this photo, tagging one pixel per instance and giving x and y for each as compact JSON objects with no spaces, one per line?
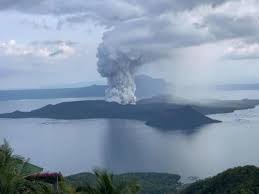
{"x":119,"y":65}
{"x":124,"y":48}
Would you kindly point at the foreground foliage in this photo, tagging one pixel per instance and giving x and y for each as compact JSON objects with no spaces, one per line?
{"x":13,"y":170}
{"x":105,"y":184}
{"x":150,"y":183}
{"x":240,"y":180}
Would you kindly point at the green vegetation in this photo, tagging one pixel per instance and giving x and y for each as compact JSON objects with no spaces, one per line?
{"x":28,"y":168}
{"x":158,"y":183}
{"x":16,"y":176}
{"x":106,"y":184}
{"x":13,"y":170}
{"x":240,"y":180}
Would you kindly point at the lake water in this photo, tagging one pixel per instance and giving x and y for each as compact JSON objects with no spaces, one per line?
{"x":130,"y":146}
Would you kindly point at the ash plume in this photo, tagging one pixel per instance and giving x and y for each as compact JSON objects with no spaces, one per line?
{"x":119,"y":67}
{"x":149,"y":35}
{"x":119,"y":56}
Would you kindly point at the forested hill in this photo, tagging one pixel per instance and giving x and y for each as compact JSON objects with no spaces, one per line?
{"x":237,"y":180}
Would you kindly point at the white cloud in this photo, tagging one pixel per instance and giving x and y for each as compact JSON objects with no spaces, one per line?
{"x":242,"y":50}
{"x":60,"y":49}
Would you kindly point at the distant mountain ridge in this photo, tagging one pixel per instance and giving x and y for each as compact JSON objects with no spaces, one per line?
{"x":254,"y":86}
{"x":146,"y":87}
{"x":90,"y":91}
{"x":209,"y":107}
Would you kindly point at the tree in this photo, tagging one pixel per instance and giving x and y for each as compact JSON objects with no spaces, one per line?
{"x":13,"y":170}
{"x":105,"y":184}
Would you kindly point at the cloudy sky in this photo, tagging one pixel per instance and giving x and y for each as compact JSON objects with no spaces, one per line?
{"x":52,"y":43}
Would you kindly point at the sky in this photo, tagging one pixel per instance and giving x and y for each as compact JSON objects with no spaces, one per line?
{"x":54,"y":43}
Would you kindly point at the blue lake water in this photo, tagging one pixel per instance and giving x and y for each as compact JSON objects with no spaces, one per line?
{"x":130,"y":146}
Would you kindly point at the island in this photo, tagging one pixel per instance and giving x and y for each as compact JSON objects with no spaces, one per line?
{"x":159,"y":115}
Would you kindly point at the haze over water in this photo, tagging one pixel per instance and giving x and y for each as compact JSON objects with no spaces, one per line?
{"x":129,"y":146}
